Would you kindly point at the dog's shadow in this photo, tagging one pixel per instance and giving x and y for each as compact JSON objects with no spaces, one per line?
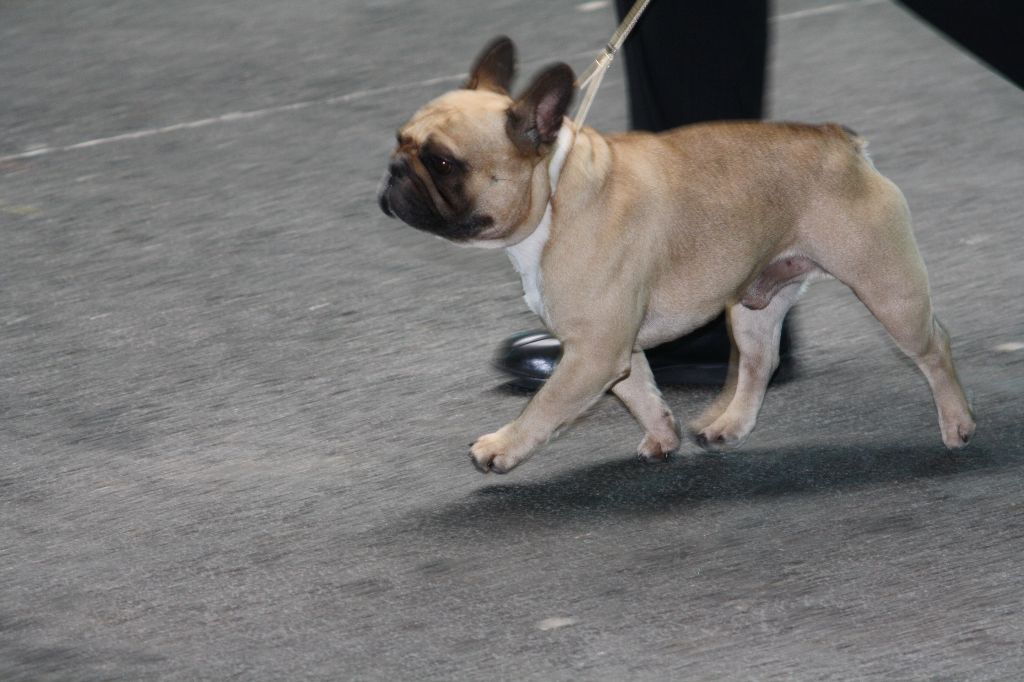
{"x":631,"y":487}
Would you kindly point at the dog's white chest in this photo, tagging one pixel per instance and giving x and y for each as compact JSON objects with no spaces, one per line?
{"x":525,"y":257}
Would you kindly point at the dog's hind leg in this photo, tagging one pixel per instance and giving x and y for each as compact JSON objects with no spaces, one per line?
{"x":873,"y":252}
{"x":755,"y":338}
{"x":897,"y":295}
{"x":786,"y":272}
{"x":724,"y":397}
{"x":641,"y":396}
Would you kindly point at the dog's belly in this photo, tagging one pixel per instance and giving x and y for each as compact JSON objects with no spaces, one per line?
{"x":680,"y":304}
{"x":670,"y":316}
{"x":659,"y":327}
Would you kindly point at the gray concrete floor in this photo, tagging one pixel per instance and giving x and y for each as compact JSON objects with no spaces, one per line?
{"x":235,"y":398}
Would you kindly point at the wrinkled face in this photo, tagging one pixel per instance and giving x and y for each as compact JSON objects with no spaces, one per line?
{"x":466,"y":164}
{"x":455,"y":172}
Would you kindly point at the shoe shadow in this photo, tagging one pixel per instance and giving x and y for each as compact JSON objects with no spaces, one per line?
{"x":631,"y":487}
{"x":511,"y":388}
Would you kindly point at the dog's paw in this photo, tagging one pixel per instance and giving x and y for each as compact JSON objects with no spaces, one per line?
{"x":722,"y":435}
{"x":495,"y":452}
{"x":653,"y":449}
{"x":714,"y":442}
{"x":957,"y":433}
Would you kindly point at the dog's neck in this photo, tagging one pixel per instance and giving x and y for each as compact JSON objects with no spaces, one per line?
{"x":525,"y":255}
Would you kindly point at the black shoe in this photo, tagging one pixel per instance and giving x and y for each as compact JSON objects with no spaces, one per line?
{"x":700,"y":358}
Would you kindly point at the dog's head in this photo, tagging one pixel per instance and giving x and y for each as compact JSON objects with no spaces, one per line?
{"x":466,"y":166}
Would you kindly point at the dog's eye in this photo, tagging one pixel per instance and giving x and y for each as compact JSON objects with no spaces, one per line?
{"x":441,"y":165}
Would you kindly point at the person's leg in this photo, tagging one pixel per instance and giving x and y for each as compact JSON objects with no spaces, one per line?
{"x":699,"y":60}
{"x":685,"y":62}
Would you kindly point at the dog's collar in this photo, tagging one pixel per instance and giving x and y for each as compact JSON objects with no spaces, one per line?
{"x":563,"y":144}
{"x":525,"y":255}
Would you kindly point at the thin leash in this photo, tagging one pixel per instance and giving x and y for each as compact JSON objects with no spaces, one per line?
{"x":526,"y":254}
{"x":591,"y":80}
{"x":592,"y":77}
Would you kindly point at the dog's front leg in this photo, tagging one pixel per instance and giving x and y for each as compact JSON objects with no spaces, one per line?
{"x":639,"y":392}
{"x":580,"y":379}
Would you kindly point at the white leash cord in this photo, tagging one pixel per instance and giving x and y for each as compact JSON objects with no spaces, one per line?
{"x":592,"y":77}
{"x":526,"y":255}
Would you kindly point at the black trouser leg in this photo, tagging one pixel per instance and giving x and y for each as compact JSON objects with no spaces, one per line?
{"x":697,"y":60}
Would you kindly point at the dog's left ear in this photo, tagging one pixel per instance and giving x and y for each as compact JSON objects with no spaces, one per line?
{"x":536,"y":117}
{"x":494,"y":67}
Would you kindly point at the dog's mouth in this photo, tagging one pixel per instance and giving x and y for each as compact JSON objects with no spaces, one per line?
{"x":403,"y":199}
{"x":385,"y":205}
{"x":383,"y":190}
{"x":407,"y":203}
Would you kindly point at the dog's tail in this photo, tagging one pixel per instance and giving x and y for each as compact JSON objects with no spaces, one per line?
{"x":860,"y":145}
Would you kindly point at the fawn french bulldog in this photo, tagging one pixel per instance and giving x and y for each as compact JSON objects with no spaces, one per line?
{"x":649,"y":236}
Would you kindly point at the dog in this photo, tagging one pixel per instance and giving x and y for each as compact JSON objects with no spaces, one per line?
{"x":626,"y":241}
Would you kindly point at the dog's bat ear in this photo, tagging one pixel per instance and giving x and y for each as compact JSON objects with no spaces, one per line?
{"x":494,"y":67}
{"x":536,"y":116}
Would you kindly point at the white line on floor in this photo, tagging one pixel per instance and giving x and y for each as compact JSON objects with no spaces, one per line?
{"x":824,"y":9}
{"x":236,"y":116}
